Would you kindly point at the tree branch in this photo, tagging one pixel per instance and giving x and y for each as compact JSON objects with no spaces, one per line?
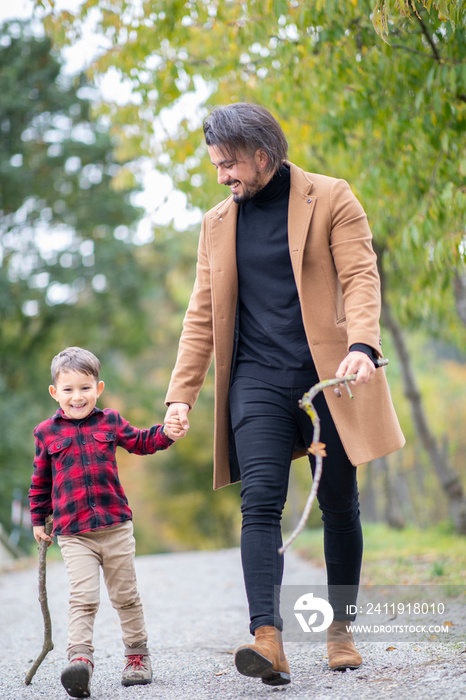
{"x":48,"y":643}
{"x":416,"y":51}
{"x":425,"y":31}
{"x":317,"y":448}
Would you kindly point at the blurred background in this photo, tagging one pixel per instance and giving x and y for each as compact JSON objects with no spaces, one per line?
{"x":103,"y":179}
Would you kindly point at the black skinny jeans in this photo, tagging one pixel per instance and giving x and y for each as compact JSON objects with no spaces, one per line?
{"x":266,"y":421}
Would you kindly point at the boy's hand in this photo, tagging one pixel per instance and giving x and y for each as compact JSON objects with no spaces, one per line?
{"x":39,"y":534}
{"x":173,"y":428}
{"x":176,"y":421}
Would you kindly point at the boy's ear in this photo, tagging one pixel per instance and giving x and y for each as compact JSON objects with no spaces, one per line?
{"x":53,"y":392}
{"x":100,"y":388}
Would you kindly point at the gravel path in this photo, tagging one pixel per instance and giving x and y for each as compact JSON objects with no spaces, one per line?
{"x":196,"y":614}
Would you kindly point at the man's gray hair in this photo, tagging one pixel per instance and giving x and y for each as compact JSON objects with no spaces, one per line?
{"x":243,"y":127}
{"x":74,"y":359}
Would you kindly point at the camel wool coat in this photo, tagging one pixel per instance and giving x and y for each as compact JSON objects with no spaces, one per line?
{"x":338,"y":285}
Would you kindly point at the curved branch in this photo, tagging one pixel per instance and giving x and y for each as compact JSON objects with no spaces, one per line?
{"x":48,"y":643}
{"x":317,"y":448}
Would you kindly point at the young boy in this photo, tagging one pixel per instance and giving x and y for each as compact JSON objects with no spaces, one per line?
{"x":76,"y":479}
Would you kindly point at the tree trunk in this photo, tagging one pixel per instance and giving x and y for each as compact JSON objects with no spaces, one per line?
{"x":447,"y":476}
{"x":368,"y":498}
{"x":459,"y":286}
{"x":393,"y":514}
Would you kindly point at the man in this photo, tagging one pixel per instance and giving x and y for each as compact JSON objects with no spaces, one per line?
{"x":287,"y":293}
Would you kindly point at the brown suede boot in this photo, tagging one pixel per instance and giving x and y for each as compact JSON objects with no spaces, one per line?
{"x":341,"y":651}
{"x":265,"y":658}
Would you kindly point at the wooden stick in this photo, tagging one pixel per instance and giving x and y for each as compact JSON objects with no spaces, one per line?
{"x":48,"y":644}
{"x":317,"y":448}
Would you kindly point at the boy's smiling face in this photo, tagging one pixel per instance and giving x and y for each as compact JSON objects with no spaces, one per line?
{"x":77,"y":393}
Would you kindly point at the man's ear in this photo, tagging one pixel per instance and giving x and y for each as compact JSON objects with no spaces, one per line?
{"x":53,"y":392}
{"x":100,"y":388}
{"x":261,"y":158}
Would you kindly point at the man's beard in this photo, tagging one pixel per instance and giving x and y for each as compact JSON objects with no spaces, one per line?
{"x":248,"y":191}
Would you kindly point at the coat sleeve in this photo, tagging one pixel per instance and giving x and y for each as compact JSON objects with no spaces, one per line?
{"x":196,"y":343}
{"x":356,"y":266}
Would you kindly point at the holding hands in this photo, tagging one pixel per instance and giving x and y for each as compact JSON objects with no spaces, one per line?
{"x":176,"y":423}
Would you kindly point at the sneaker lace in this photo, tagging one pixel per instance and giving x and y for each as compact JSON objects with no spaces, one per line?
{"x":81,"y":658}
{"x":136,"y":662}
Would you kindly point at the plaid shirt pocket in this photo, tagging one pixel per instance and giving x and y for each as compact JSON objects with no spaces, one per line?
{"x":104,"y":446}
{"x":59,"y":452}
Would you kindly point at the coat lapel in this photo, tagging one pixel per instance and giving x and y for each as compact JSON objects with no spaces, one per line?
{"x":300,"y":210}
{"x":223,"y":263}
{"x":223,"y":237}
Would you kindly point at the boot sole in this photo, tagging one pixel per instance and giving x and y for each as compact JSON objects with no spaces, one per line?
{"x":144,"y":681}
{"x":250,"y":663}
{"x":76,"y":682}
{"x":343,"y":667}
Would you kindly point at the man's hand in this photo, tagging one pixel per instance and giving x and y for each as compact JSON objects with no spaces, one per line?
{"x":39,"y":534}
{"x":173,"y":428}
{"x":176,"y":423}
{"x":359,"y":363}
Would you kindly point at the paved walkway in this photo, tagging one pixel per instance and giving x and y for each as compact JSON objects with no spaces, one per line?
{"x":196,"y":614}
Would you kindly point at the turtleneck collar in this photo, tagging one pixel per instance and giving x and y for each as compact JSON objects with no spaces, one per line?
{"x":277,"y":187}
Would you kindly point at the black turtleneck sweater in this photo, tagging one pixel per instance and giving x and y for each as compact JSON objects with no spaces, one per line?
{"x":272,"y":342}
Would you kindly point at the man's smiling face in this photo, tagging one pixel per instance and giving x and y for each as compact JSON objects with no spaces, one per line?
{"x":245,"y":175}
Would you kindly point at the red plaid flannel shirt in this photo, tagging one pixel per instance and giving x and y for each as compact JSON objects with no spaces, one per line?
{"x":75,"y":472}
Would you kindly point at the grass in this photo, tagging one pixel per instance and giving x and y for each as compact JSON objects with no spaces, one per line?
{"x":408,"y":556}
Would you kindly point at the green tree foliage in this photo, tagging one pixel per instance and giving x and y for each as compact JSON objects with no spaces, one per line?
{"x":66,"y":275}
{"x":71,"y":275}
{"x":369,"y":91}
{"x":389,"y":115}
{"x":455,"y":12}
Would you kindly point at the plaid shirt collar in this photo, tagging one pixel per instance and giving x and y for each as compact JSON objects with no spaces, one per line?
{"x":60,"y":414}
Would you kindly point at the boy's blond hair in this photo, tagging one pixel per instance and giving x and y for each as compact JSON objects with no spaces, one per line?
{"x":75,"y":359}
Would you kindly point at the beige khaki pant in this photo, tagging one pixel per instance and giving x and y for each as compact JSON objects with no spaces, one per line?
{"x":113,"y":550}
